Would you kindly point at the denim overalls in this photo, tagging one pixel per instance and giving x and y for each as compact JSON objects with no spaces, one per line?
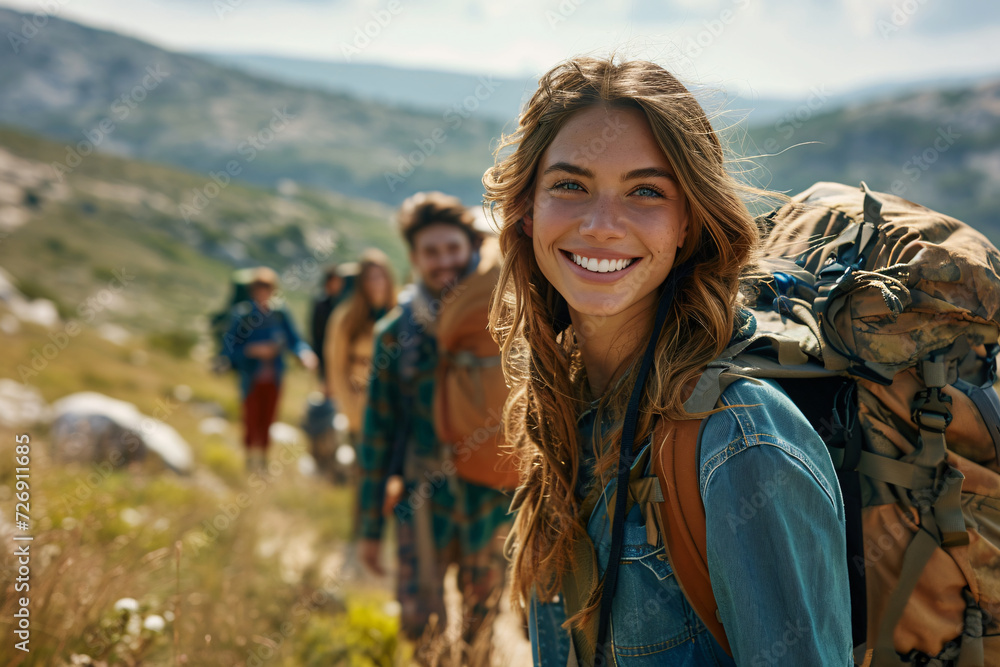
{"x":651,"y":621}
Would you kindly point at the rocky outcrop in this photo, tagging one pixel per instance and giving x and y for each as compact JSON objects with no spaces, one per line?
{"x":90,"y":428}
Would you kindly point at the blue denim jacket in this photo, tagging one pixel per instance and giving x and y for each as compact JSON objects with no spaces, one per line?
{"x":249,"y":324}
{"x":776,"y":553}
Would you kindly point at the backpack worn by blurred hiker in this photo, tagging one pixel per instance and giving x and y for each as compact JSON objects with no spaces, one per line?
{"x":219,"y":321}
{"x":470,"y":390}
{"x":883,"y":328}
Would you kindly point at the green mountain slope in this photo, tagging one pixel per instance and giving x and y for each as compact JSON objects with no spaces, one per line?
{"x":939,"y":148}
{"x":72,"y":239}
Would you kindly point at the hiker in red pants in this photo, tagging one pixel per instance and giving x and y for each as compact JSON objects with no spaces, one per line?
{"x":260,"y":332}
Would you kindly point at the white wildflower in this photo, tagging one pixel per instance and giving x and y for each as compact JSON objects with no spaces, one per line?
{"x":154,"y":622}
{"x":127,"y":604}
{"x":131,"y":516}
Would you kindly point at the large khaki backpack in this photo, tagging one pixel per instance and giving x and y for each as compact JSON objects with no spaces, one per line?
{"x":470,"y":390}
{"x":917,"y":323}
{"x":881,"y":319}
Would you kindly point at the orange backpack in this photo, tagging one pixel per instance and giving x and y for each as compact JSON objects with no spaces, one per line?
{"x":470,"y":390}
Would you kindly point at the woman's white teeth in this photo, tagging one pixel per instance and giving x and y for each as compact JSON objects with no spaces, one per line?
{"x":601,"y":265}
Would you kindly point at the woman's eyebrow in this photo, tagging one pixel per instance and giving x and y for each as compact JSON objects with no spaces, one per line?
{"x":570,"y":168}
{"x":648,"y":172}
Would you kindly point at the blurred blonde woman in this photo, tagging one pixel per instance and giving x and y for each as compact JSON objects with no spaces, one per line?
{"x":350,"y":337}
{"x":625,"y":240}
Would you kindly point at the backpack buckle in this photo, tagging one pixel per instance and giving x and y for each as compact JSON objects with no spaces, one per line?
{"x":932,"y":410}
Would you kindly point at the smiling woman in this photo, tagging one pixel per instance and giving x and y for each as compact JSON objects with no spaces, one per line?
{"x":625,"y":241}
{"x":606,"y":233}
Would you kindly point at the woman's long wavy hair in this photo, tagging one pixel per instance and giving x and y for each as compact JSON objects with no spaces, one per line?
{"x":359,"y":320}
{"x":530,"y":320}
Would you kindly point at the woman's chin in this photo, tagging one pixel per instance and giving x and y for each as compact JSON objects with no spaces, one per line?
{"x":591,"y":309}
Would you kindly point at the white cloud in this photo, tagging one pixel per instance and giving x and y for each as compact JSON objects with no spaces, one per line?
{"x":862,"y":15}
{"x":777,"y":47}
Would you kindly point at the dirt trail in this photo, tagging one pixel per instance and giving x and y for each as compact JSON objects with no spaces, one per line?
{"x":296,"y":542}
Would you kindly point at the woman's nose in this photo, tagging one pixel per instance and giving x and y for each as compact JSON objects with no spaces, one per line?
{"x":604,"y":221}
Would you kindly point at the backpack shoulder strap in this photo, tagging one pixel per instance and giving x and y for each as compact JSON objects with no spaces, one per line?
{"x":682,"y":518}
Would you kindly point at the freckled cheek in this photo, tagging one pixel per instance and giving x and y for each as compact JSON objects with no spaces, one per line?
{"x":664,"y":250}
{"x":669,"y":238}
{"x":554,"y":208}
{"x":551,"y":224}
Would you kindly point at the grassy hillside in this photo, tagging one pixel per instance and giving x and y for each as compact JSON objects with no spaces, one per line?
{"x":237,"y":568}
{"x":222,"y":567}
{"x":68,"y":238}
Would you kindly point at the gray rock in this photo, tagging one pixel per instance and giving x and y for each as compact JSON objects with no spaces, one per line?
{"x":94,"y":438}
{"x":91,"y":428}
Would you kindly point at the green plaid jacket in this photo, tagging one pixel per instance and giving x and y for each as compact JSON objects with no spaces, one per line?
{"x":461,"y":510}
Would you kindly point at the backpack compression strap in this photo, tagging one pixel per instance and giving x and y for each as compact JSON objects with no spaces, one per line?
{"x":681,"y":516}
{"x":935,"y":491}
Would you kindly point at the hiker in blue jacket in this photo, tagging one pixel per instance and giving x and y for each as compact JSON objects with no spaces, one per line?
{"x":258,"y":336}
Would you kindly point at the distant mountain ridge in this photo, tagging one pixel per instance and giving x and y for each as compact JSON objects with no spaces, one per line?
{"x":425,"y":90}
{"x":95,"y":90}
{"x":939,"y":148}
{"x":68,"y":82}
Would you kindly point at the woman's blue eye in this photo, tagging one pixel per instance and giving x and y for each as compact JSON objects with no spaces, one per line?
{"x":646,"y":191}
{"x":567,"y":185}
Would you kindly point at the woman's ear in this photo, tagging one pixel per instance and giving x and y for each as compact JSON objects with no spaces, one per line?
{"x":527,"y":225}
{"x":685,"y":224}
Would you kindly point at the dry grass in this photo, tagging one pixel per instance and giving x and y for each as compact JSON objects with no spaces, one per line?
{"x":236,"y":572}
{"x":243,"y":570}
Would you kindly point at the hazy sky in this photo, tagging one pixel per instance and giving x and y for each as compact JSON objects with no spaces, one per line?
{"x":771,"y":47}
